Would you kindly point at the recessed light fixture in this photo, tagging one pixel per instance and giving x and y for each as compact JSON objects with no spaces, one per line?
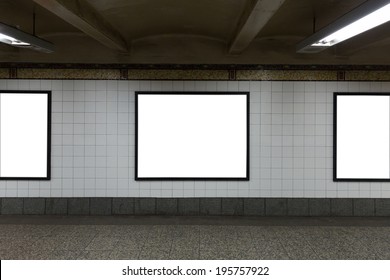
{"x":17,"y":38}
{"x":365,"y":17}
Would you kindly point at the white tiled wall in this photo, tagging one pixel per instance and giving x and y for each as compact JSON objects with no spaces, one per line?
{"x":291,"y":126}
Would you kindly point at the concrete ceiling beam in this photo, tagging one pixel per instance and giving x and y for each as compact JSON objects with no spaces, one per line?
{"x":83,"y":16}
{"x":253,"y":19}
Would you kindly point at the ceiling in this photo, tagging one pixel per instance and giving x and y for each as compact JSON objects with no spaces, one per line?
{"x":187,"y":32}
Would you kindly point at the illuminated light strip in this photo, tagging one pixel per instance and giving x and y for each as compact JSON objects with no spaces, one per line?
{"x":17,"y":38}
{"x":365,"y":17}
{"x":370,"y":21}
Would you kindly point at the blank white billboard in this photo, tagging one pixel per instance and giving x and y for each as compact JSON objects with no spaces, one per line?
{"x":192,"y":136}
{"x":24,"y":135}
{"x":362,"y":137}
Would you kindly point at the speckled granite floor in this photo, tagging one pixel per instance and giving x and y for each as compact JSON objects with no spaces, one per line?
{"x":32,"y":237}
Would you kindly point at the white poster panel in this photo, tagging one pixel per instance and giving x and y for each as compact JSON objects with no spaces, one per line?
{"x":23,"y":135}
{"x":363,"y":137}
{"x":198,"y":136}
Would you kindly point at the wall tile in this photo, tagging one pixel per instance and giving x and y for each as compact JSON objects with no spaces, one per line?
{"x":298,"y":207}
{"x":232,"y":207}
{"x":123,"y":206}
{"x":363,"y":207}
{"x":56,"y":206}
{"x":319,"y":207}
{"x":382,"y":207}
{"x":78,"y":206}
{"x":291,"y":139}
{"x":34,"y":206}
{"x":12,"y":206}
{"x":276,"y":207}
{"x":145,"y":206}
{"x":188,"y":206}
{"x":210,"y":206}
{"x":166,"y":206}
{"x":254,"y":207}
{"x":341,"y":207}
{"x":100,"y":206}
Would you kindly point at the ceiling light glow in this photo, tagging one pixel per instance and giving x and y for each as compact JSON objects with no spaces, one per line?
{"x":370,"y":21}
{"x":12,"y":41}
{"x":367,"y":16}
{"x":17,"y":38}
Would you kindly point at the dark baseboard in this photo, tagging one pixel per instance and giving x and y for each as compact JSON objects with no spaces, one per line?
{"x":294,"y":207}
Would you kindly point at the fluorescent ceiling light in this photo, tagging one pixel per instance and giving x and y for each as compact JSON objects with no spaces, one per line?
{"x":17,"y":38}
{"x":365,"y":17}
{"x":12,"y":41}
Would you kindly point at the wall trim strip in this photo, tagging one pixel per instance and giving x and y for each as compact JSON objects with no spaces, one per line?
{"x":271,"y":207}
{"x":196,"y":72}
